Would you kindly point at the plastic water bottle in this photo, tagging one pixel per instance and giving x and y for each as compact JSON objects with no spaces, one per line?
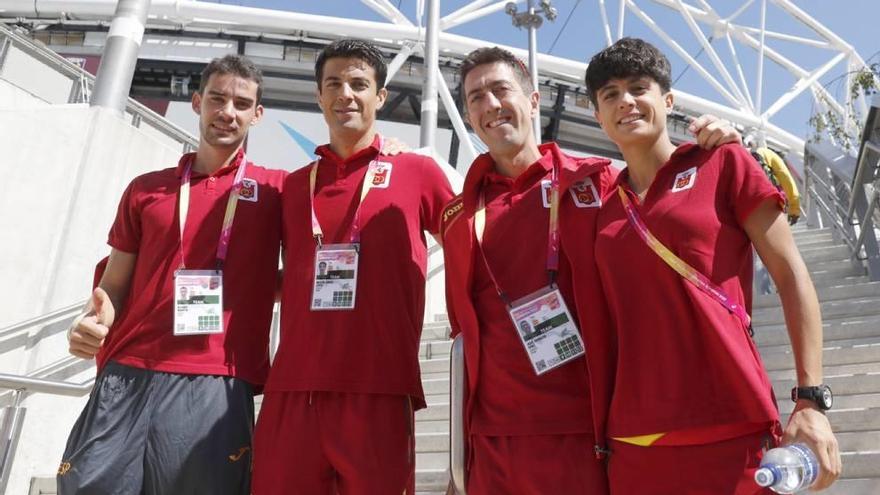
{"x":789,"y":469}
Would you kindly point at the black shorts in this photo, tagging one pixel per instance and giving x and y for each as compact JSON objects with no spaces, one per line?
{"x":154,"y":433}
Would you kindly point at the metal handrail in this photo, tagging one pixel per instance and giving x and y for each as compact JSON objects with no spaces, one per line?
{"x":43,"y":386}
{"x":43,"y":318}
{"x":77,"y":73}
{"x":457,"y":441}
{"x":867,"y":222}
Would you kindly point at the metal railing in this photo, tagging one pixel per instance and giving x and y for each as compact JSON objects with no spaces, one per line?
{"x":83,"y":83}
{"x":842,"y":192}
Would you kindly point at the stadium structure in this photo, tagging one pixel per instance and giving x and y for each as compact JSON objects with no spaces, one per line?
{"x":68,"y":162}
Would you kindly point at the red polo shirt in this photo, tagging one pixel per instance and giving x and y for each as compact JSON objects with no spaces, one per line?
{"x":507,"y":397}
{"x":147,"y":225}
{"x":374,"y":347}
{"x":683,"y":360}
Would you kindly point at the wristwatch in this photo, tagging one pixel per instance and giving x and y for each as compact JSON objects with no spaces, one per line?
{"x":821,"y":395}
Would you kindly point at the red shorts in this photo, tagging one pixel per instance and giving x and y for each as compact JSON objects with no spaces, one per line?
{"x":719,"y":468}
{"x":332,"y":443}
{"x":535,"y":465}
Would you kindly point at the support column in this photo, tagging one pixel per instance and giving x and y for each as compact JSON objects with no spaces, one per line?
{"x":120,"y":55}
{"x":432,"y":72}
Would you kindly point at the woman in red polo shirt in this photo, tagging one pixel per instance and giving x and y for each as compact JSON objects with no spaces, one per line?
{"x":691,"y":394}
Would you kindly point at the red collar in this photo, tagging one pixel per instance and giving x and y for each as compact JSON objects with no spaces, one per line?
{"x":232,"y":167}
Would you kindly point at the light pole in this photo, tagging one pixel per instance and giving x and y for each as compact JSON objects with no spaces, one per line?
{"x":531,"y":19}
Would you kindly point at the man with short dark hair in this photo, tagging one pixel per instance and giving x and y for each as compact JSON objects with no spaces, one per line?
{"x":337,"y":416}
{"x":537,"y":398}
{"x":674,"y":253}
{"x":180,"y":318}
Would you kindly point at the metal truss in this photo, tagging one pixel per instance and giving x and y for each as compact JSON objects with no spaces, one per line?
{"x":739,"y":93}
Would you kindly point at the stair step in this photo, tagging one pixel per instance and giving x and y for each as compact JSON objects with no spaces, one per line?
{"x":861,"y":464}
{"x":435,"y":365}
{"x":432,"y":426}
{"x":849,"y":420}
{"x":434,"y":411}
{"x":841,"y":385}
{"x":858,"y":441}
{"x":815,"y":253}
{"x":432,"y":442}
{"x":835,"y":330}
{"x":854,"y":487}
{"x":434,"y":349}
{"x":842,"y":370}
{"x":831,"y":310}
{"x":838,"y":277}
{"x":831,"y":293}
{"x":432,"y":480}
{"x":831,"y":356}
{"x":436,"y":385}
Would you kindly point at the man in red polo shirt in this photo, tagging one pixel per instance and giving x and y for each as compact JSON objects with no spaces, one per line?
{"x":180,"y":318}
{"x":337,"y":416}
{"x":691,"y":394}
{"x":522,"y":291}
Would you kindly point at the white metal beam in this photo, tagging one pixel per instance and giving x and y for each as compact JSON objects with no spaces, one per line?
{"x":739,"y":71}
{"x":387,"y":10}
{"x":684,"y":54}
{"x":477,"y":4}
{"x":621,"y":14}
{"x":397,"y":62}
{"x":607,"y":27}
{"x":787,"y":37}
{"x":759,"y":85}
{"x":801,"y":85}
{"x":713,"y":55}
{"x":813,"y":24}
{"x":455,"y":117}
{"x":739,"y":11}
{"x":470,"y":16}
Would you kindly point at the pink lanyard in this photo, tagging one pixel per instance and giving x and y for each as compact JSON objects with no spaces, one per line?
{"x":680,"y":266}
{"x":552,"y":238}
{"x":355,"y":237}
{"x":226,"y":230}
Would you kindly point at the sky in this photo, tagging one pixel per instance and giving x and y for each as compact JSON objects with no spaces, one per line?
{"x":855,"y":21}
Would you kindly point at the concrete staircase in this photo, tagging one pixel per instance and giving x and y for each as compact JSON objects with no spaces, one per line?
{"x":432,"y":424}
{"x":851,"y":319}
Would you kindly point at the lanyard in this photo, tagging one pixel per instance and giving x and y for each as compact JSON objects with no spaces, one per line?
{"x":685,"y":270}
{"x":226,"y":230}
{"x":355,"y":237}
{"x":552,"y":238}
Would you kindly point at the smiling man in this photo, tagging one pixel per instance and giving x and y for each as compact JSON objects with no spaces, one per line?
{"x":338,"y":412}
{"x":180,"y":318}
{"x":674,"y":251}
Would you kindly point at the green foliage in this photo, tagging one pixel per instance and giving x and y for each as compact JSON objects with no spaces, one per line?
{"x":830,"y":123}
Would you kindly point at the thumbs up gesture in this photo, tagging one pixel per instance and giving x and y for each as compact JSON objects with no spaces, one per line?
{"x":88,"y":331}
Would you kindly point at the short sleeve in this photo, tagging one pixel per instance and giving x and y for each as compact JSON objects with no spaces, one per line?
{"x":748,"y":185}
{"x":125,"y":234}
{"x":436,"y":193}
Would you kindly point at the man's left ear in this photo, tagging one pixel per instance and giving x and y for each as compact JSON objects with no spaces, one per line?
{"x":535,"y":100}
{"x":383,"y":95}
{"x":670,"y":100}
{"x":258,"y":115}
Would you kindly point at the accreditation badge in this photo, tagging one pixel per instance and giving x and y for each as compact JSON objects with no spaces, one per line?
{"x":198,"y":302}
{"x":546,"y":329}
{"x":335,"y":283}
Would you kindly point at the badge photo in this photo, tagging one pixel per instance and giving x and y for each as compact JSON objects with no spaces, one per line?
{"x":585,"y":194}
{"x":249,"y":190}
{"x":685,"y":180}
{"x":381,"y":175}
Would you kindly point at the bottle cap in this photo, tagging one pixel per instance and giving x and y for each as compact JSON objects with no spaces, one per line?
{"x":766,"y":476}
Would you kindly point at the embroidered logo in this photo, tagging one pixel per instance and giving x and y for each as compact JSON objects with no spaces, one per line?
{"x":63,"y":468}
{"x":545,"y":193}
{"x":381,"y":175}
{"x":585,"y":194}
{"x":238,"y":455}
{"x":685,"y":180}
{"x":249,"y":190}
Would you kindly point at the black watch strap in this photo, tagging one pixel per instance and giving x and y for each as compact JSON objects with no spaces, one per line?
{"x":821,"y":395}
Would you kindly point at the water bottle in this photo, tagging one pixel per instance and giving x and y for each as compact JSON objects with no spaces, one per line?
{"x":789,"y":469}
